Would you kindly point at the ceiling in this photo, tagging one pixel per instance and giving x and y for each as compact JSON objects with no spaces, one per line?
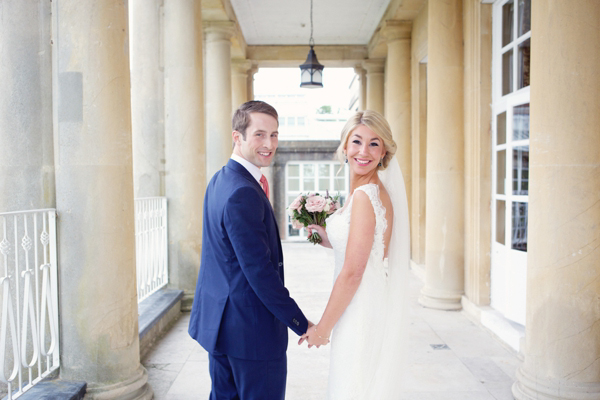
{"x":278,"y":31}
{"x":287,"y":22}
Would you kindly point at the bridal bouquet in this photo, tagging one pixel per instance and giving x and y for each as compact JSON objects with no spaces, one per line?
{"x":312,"y":209}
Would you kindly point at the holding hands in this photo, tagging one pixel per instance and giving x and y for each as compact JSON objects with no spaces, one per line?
{"x":314,"y":337}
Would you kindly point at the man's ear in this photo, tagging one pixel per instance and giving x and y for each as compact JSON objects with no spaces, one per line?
{"x":236,"y":136}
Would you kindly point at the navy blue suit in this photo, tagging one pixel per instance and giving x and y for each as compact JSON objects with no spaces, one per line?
{"x":241,"y":307}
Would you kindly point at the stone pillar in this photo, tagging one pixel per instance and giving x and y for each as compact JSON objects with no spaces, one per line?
{"x":562,"y":334}
{"x":362,"y":88}
{"x":478,"y":158}
{"x":218,"y":94}
{"x":94,"y":199}
{"x":239,"y":83}
{"x":375,"y":92}
{"x":444,"y":259}
{"x":26,"y":154}
{"x":398,"y":95}
{"x":185,"y":178}
{"x":147,"y":97}
{"x":250,"y":90}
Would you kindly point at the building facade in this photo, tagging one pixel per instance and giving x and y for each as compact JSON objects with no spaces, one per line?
{"x":494,"y":106}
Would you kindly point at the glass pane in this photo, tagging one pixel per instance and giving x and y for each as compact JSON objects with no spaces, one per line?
{"x":281,"y":121}
{"x":293,"y":232}
{"x":507,"y":22}
{"x":521,"y":170}
{"x":524,"y":23}
{"x":324,"y":185}
{"x":324,"y":170}
{"x":291,"y":121}
{"x":339,"y":184}
{"x":523,"y":64}
{"x":521,"y":122}
{"x":309,"y":170}
{"x":501,"y":128}
{"x":309,"y":184}
{"x":507,"y":72}
{"x":293,"y":170}
{"x":500,"y":221}
{"x":293,"y":184}
{"x":501,"y":172}
{"x":519,"y":226}
{"x":301,"y":121}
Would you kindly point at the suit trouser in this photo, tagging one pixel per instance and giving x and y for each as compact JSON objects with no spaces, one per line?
{"x":238,"y":379}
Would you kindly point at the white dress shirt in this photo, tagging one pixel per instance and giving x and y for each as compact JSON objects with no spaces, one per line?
{"x":253,"y":169}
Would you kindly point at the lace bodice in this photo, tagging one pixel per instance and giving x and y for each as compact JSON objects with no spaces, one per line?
{"x":338,"y":229}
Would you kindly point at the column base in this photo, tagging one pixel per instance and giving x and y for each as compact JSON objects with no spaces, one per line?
{"x":529,"y":388}
{"x":135,"y":388}
{"x":431,"y":298}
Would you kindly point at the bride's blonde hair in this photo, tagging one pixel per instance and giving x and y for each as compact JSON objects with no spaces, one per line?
{"x":375,"y":122}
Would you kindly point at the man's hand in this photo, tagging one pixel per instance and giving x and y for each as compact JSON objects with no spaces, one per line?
{"x":310,"y":325}
{"x":314,"y":337}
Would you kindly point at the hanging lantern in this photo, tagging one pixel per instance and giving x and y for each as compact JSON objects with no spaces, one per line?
{"x":311,"y":71}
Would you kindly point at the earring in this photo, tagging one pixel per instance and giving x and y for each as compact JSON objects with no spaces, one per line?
{"x":380,"y":163}
{"x":346,"y":160}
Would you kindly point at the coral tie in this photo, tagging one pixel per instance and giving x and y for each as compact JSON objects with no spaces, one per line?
{"x":265,"y":185}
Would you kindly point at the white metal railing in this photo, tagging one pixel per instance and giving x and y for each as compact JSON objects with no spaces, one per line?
{"x":151,"y":245}
{"x":29,"y":329}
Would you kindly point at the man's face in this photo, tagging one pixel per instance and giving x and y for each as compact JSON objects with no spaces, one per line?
{"x":261,"y":140}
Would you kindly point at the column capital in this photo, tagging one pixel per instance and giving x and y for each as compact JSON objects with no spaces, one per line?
{"x":396,"y":30}
{"x":241,"y":66}
{"x":218,"y":30}
{"x":359,"y":70}
{"x":374,"y":65}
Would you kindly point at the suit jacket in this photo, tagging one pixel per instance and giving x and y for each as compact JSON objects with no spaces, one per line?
{"x":241,"y":306}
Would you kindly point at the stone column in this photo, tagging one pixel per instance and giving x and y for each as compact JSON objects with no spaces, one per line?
{"x":26,"y":154}
{"x":362,"y":89}
{"x":562,"y":350}
{"x":444,"y":258}
{"x":147,"y":97}
{"x":375,"y":92}
{"x":398,"y":95}
{"x":218,"y":94}
{"x":239,"y":83}
{"x":478,"y":158}
{"x":185,"y":178}
{"x":250,"y":90}
{"x":94,"y":199}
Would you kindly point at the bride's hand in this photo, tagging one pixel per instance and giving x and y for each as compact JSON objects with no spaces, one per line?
{"x":322,"y":232}
{"x":314,"y":338}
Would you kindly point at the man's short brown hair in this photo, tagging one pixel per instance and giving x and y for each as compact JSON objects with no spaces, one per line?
{"x":241,"y":117}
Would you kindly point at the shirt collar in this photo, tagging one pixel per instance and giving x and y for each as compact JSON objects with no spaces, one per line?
{"x":253,"y":169}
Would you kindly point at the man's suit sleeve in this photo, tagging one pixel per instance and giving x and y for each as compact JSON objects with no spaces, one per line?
{"x":244,"y":222}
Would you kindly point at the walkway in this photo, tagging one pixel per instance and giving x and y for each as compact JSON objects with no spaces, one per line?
{"x":451,"y":358}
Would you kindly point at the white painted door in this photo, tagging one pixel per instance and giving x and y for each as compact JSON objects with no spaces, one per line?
{"x":510,"y":154}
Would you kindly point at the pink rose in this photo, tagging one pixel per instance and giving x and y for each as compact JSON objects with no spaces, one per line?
{"x":296,"y":224}
{"x":296,"y":204}
{"x":315,"y":204}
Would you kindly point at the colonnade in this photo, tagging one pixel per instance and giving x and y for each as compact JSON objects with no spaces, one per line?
{"x":81,"y":141}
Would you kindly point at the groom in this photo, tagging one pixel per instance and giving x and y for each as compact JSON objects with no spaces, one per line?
{"x":241,"y":308}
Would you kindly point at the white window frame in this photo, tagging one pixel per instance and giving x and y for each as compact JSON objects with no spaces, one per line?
{"x":334,"y":166}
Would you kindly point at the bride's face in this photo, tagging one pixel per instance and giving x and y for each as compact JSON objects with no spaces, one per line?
{"x":364,"y":150}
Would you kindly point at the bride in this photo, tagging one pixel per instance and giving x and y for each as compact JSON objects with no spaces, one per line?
{"x":366,"y":316}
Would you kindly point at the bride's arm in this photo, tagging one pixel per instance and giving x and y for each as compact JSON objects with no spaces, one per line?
{"x":360,"y":241}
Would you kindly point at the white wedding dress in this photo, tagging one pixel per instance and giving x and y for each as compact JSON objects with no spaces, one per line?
{"x":368,"y":341}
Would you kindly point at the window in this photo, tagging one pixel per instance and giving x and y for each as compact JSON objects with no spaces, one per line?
{"x":314,"y":176}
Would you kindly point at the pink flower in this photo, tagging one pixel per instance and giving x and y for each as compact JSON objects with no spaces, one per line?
{"x":296,"y":204}
{"x":329,"y":207}
{"x":315,"y":204}
{"x":296,"y":224}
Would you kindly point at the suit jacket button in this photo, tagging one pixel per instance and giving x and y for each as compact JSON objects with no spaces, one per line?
{"x":280,"y":264}
{"x":296,"y":321}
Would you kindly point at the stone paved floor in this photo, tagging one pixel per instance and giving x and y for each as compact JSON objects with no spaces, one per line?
{"x":475,"y":366}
